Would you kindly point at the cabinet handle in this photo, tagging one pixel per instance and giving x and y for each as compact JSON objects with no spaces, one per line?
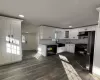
{"x":9,"y":36}
{"x":9,"y":41}
{"x":12,"y":36}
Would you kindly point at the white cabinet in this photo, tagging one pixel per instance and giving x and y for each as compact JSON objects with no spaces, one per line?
{"x":47,"y":32}
{"x":61,"y":49}
{"x":10,"y":40}
{"x":67,"y":46}
{"x":73,"y":34}
{"x":60,"y":34}
{"x":6,"y":57}
{"x":16,"y":35}
{"x":91,"y":28}
{"x":70,"y":48}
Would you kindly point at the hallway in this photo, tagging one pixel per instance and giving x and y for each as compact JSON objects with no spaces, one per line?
{"x":36,"y":67}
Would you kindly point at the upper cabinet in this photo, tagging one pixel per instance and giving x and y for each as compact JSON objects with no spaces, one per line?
{"x":91,"y":28}
{"x":46,"y":32}
{"x":56,"y":33}
{"x":73,"y":33}
{"x":59,"y":34}
{"x":51,"y":33}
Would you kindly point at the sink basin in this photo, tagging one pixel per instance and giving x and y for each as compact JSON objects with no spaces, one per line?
{"x":61,"y":45}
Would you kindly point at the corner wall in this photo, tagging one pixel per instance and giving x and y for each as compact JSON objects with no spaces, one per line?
{"x":30,"y":37}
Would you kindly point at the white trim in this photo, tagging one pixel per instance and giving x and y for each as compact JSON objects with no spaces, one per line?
{"x":96,"y":70}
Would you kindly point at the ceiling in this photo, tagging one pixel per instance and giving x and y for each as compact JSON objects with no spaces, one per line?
{"x":58,"y":13}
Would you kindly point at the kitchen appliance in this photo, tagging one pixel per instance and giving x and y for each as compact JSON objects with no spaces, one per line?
{"x":51,"y":50}
{"x":84,"y":52}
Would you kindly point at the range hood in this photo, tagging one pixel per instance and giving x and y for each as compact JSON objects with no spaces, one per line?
{"x":83,"y":34}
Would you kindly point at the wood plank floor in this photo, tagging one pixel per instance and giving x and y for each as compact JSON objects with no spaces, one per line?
{"x":37,"y":67}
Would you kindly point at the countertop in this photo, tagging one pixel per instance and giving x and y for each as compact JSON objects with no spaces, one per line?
{"x":48,"y":44}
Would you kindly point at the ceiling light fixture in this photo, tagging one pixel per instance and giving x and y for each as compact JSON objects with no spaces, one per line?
{"x":70,"y":26}
{"x":22,"y":16}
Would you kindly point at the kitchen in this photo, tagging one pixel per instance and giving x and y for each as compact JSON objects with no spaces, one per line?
{"x":55,"y":40}
{"x":64,"y":40}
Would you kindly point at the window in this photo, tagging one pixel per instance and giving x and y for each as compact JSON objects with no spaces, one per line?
{"x":23,"y":39}
{"x":66,"y":34}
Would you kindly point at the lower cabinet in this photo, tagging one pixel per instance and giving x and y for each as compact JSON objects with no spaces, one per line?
{"x":61,"y":49}
{"x":67,"y":46}
{"x":9,"y":53}
{"x":70,"y":48}
{"x":5,"y":56}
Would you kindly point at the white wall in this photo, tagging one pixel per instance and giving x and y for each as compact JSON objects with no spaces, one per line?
{"x":31,"y":37}
{"x":96,"y":66}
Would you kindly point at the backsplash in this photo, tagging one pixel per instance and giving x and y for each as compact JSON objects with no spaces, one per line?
{"x":73,"y":41}
{"x":46,"y":41}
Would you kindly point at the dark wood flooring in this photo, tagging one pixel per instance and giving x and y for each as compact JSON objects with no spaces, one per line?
{"x":37,"y":67}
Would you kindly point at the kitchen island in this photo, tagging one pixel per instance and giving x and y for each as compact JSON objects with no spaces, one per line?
{"x":51,"y":49}
{"x":47,"y":49}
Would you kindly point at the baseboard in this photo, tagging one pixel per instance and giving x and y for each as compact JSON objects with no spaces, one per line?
{"x":29,"y":50}
{"x":10,"y":63}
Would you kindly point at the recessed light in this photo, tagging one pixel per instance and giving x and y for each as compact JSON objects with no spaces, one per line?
{"x":70,"y":26}
{"x":22,"y":16}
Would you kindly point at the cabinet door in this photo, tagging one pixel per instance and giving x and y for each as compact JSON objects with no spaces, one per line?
{"x":4,"y":41}
{"x":73,"y":34}
{"x":47,"y":32}
{"x":72,"y":48}
{"x":83,"y":29}
{"x":40,"y":32}
{"x":91,"y":28}
{"x":4,"y":28}
{"x":16,"y":41}
{"x":51,"y":33}
{"x":6,"y":51}
{"x":67,"y":46}
{"x":60,"y":34}
{"x":1,"y":56}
